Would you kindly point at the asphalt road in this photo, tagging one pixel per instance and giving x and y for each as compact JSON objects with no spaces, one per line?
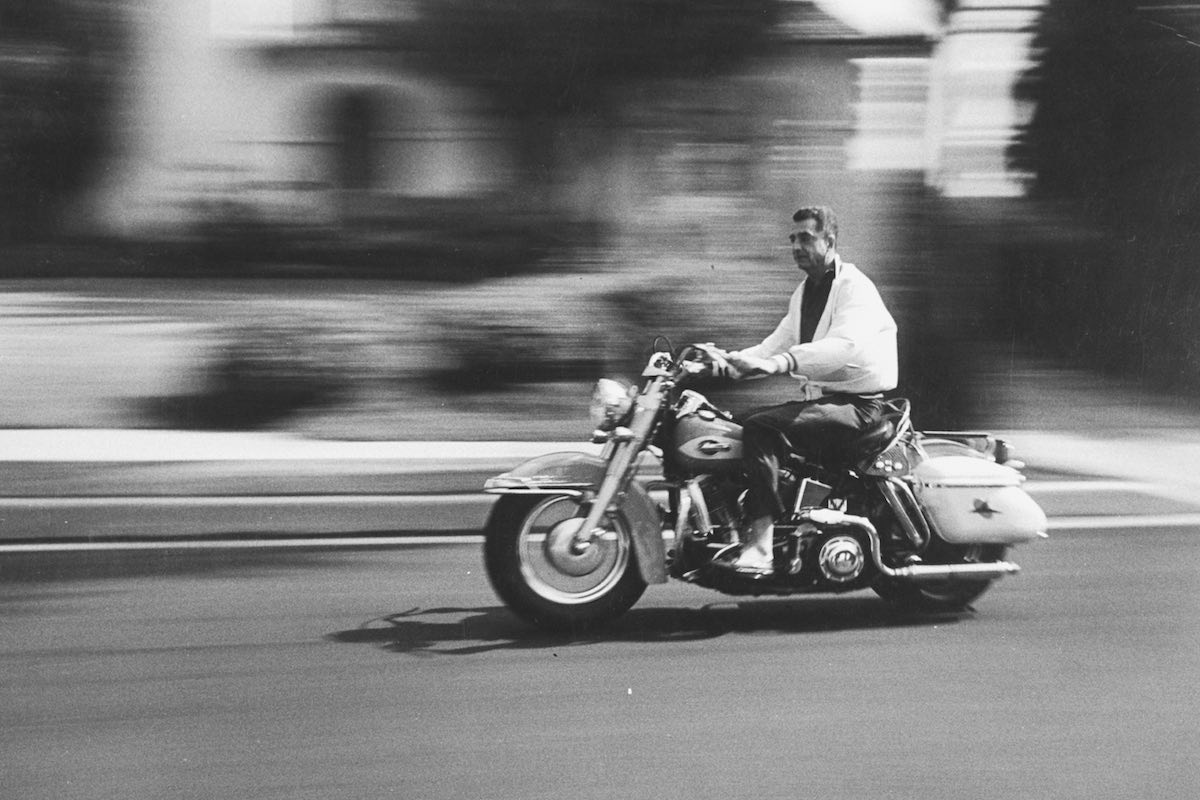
{"x":395,"y":673}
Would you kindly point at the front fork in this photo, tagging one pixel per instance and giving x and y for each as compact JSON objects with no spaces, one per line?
{"x":625,"y":446}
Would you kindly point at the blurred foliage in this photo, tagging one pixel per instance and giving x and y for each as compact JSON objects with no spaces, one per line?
{"x":521,"y":330}
{"x":564,"y":56}
{"x":548,"y":68}
{"x":267,"y":370}
{"x":406,"y":238}
{"x":489,"y":355}
{"x":1110,"y":278}
{"x":58,"y":77}
{"x":507,"y":334}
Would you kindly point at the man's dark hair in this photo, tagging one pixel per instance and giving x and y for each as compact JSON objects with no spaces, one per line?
{"x":826,"y":221}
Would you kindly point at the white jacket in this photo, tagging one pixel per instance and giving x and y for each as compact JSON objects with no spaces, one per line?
{"x":853,"y":350}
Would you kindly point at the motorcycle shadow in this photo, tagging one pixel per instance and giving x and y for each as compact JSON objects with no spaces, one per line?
{"x":469,"y":631}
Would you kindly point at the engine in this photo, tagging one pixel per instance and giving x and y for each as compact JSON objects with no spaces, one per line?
{"x":723,"y":499}
{"x":828,"y":559}
{"x":840,"y":557}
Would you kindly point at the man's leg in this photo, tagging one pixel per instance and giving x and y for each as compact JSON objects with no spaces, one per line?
{"x":763,"y":447}
{"x":814,"y":427}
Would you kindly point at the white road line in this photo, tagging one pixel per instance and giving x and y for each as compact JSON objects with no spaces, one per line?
{"x":241,"y":544}
{"x":1052,"y":487}
{"x":1114,"y":522}
{"x":142,"y":501}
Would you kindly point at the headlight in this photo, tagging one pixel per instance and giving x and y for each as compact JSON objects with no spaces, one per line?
{"x":611,"y":401}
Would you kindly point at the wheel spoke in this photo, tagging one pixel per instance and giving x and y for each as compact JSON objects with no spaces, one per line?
{"x":556,"y":571}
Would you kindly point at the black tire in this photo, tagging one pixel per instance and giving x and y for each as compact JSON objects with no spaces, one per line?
{"x":530,"y":568}
{"x":942,"y":595}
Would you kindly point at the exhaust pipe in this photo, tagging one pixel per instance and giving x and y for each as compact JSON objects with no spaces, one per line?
{"x":950,"y":572}
{"x":913,"y":572}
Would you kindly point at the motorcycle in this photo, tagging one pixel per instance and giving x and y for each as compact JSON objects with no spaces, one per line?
{"x":923,"y":518}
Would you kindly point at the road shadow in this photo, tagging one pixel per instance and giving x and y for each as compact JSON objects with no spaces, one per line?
{"x":469,"y":631}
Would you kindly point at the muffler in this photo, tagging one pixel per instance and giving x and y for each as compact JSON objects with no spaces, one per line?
{"x":951,"y":572}
{"x":828,"y":517}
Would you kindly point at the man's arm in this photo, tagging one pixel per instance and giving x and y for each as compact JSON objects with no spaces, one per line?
{"x":858,"y":316}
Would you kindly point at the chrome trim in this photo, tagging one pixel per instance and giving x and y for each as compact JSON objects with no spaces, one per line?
{"x":696,"y":495}
{"x":972,"y":483}
{"x":902,"y":427}
{"x":553,"y":568}
{"x":941,"y":572}
{"x":906,"y":510}
{"x":916,"y":572}
{"x":536,"y":490}
{"x":683,"y":513}
{"x":689,"y":403}
{"x":508,"y":482}
{"x":623,"y":456}
{"x":841,"y":545}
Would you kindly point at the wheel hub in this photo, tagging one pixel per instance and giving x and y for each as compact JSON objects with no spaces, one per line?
{"x":568,"y":557}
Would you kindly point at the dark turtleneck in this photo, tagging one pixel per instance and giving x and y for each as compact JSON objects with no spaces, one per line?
{"x":812,"y":305}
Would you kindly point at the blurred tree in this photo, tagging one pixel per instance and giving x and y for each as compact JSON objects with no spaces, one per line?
{"x":542,"y":61}
{"x":1117,"y":93}
{"x":57,"y":78}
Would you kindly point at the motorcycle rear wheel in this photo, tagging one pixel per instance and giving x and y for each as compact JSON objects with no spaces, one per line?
{"x":942,"y":595}
{"x":533,"y":570}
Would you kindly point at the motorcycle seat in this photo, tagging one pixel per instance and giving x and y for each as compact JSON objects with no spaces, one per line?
{"x":871,"y":441}
{"x":866,"y":445}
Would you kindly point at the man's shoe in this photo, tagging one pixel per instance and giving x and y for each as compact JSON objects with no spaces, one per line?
{"x":737,"y":560}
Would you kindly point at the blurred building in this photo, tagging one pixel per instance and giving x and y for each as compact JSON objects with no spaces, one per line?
{"x":293,"y":109}
{"x":281,"y":105}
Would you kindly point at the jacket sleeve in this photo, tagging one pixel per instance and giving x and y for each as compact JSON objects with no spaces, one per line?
{"x":857,"y":319}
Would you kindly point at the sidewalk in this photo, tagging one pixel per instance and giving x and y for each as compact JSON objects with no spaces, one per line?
{"x":73,"y":462}
{"x":107,"y":463}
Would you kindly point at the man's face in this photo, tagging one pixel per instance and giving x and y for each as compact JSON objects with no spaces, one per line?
{"x":811,"y":249}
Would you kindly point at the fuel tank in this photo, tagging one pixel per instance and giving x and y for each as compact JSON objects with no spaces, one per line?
{"x":706,"y":443}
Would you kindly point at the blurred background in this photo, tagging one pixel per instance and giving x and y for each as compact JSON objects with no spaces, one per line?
{"x":407,"y":219}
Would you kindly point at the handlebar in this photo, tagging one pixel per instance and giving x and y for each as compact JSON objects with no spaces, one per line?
{"x":693,"y":360}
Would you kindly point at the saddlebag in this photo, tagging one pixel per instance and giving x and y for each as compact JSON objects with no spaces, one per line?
{"x":972,"y":500}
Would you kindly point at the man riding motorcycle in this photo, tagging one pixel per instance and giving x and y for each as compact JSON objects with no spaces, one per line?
{"x":839,"y":340}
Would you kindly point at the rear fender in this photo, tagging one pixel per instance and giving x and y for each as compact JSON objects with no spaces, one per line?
{"x":581,"y":473}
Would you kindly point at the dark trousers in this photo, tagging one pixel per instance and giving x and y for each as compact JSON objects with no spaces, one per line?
{"x":816,"y":429}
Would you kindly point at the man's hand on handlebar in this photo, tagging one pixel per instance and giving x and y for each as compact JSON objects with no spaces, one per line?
{"x":737,"y":366}
{"x":753,"y":366}
{"x":720,"y":365}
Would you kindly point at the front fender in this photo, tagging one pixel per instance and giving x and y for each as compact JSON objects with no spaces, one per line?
{"x":566,"y":473}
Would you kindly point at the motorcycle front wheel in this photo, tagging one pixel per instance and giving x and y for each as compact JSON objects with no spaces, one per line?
{"x":942,"y":595}
{"x":536,"y":572}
